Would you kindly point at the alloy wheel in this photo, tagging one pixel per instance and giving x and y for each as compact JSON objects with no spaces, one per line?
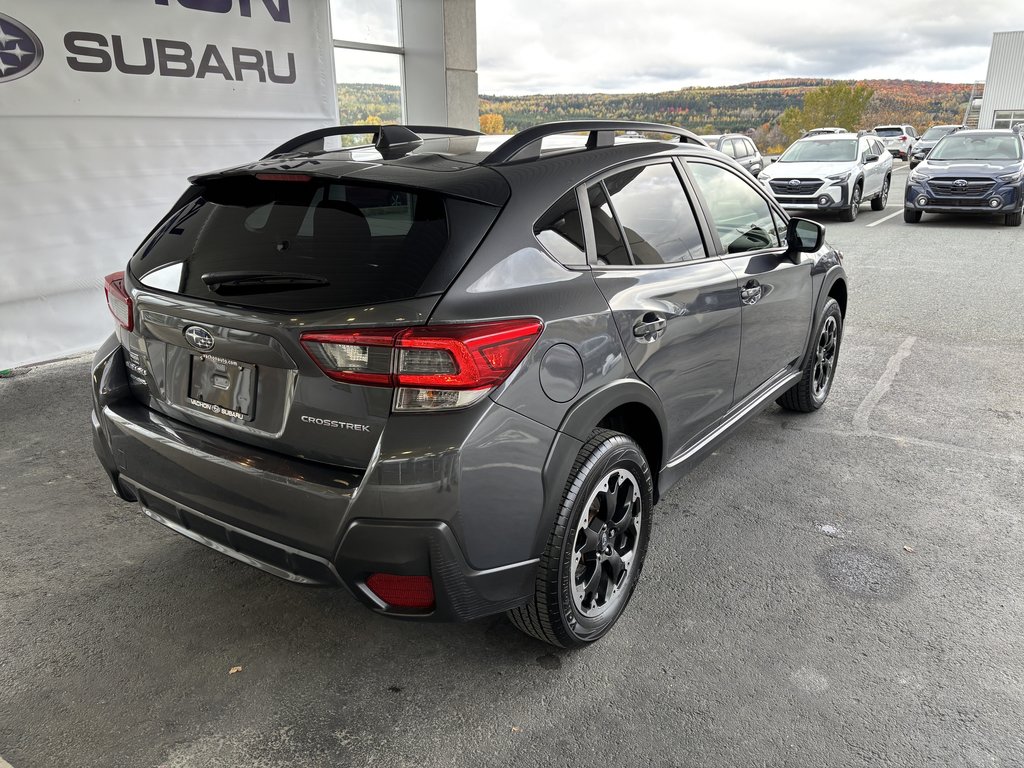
{"x":605,"y":544}
{"x":825,"y":358}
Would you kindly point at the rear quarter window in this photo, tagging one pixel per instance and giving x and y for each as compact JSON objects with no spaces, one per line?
{"x":294,"y":246}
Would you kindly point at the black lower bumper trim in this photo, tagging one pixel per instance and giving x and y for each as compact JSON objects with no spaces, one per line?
{"x":429,"y":548}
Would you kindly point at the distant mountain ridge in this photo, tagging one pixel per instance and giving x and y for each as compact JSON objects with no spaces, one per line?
{"x":734,"y":108}
{"x":748,"y":107}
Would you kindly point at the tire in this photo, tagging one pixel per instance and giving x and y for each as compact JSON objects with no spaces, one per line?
{"x":911,"y":216}
{"x":1013,"y":219}
{"x":879,"y":203}
{"x":595,"y":533}
{"x":810,"y":393}
{"x":850,"y":213}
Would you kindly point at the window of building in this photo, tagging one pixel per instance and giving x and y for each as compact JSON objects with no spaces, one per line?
{"x":1008,"y":118}
{"x":368,"y":61}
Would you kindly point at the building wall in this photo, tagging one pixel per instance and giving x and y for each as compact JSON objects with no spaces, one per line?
{"x":95,"y":153}
{"x":1004,"y":84}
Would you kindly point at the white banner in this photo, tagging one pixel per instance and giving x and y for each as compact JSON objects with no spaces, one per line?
{"x":106,"y":107}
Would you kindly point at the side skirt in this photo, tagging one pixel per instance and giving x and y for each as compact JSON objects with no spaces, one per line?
{"x":692,"y":455}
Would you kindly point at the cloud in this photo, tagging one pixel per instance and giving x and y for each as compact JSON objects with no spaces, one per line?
{"x":539,"y":46}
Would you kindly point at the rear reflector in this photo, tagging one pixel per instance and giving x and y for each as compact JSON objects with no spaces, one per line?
{"x":118,"y":301}
{"x":402,"y":591}
{"x":434,"y":367}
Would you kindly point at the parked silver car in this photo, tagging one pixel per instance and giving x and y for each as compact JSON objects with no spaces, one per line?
{"x":740,"y":148}
{"x":832,"y":172}
{"x":898,"y":139}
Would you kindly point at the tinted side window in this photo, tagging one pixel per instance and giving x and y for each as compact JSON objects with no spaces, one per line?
{"x":728,"y":148}
{"x":655,"y":214}
{"x":560,"y":231}
{"x":742,"y":218}
{"x":607,"y":237}
{"x":740,"y":147}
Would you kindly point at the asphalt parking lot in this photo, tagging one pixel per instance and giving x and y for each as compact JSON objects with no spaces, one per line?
{"x":843,"y":588}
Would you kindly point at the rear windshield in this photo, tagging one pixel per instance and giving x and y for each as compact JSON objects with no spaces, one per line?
{"x":936,"y":132}
{"x":296,"y":245}
{"x":889,"y":131}
{"x":965,"y":146}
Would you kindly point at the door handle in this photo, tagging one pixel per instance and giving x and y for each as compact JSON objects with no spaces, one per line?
{"x":751,"y":293}
{"x":650,"y":326}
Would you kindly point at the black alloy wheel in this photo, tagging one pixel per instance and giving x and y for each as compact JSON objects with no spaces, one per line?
{"x":879,"y":203}
{"x":810,"y":393}
{"x":850,"y":214}
{"x":596,"y":550}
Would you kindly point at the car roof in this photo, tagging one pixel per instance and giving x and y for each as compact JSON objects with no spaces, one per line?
{"x":845,"y":136}
{"x":986,"y":132}
{"x":466,"y":164}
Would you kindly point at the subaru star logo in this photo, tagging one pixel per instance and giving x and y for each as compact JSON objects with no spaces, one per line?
{"x":20,"y":49}
{"x":960,"y":183}
{"x":794,"y":182}
{"x":200,"y":338}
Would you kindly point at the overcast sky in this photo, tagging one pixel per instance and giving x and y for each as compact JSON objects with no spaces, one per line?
{"x":569,"y":46}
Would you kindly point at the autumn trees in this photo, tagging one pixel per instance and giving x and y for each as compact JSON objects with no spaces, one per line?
{"x":839,"y":104}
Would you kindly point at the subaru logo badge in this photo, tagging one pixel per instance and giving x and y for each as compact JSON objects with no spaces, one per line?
{"x":794,"y":182}
{"x":20,"y":49}
{"x":200,"y":338}
{"x":960,"y":183}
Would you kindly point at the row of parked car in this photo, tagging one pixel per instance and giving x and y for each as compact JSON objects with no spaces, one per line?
{"x":953,"y":170}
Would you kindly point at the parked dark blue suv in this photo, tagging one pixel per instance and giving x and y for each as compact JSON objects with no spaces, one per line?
{"x":970,"y":171}
{"x":452,"y":372}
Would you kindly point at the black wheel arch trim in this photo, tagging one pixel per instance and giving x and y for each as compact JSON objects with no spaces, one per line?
{"x":835,"y":274}
{"x":573,"y":433}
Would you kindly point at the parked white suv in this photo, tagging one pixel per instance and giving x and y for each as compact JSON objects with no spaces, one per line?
{"x":831,"y":172}
{"x":898,"y":139}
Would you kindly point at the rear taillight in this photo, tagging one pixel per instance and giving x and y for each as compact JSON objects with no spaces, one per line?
{"x":904,"y":138}
{"x":118,"y":301}
{"x":435,"y":367}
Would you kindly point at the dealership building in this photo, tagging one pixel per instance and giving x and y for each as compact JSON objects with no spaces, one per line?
{"x":1002,"y":103}
{"x":106,"y":107}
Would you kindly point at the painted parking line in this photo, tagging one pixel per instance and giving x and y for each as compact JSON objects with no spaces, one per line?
{"x":872,"y":224}
{"x":5,"y":764}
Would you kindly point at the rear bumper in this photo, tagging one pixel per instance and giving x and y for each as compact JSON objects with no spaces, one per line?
{"x":311,"y":523}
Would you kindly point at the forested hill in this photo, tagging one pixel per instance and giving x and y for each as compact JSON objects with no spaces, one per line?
{"x":739,"y":108}
{"x":751,"y":107}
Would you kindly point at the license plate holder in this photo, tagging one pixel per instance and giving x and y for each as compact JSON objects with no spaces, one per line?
{"x":223,"y":387}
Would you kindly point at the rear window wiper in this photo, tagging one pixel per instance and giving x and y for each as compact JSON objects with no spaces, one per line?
{"x":261,"y":282}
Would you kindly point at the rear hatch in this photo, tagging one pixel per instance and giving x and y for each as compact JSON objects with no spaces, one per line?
{"x":893,"y":136}
{"x":232,"y":293}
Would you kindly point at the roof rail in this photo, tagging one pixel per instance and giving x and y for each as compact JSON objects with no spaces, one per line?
{"x":525,"y":145}
{"x":393,"y":140}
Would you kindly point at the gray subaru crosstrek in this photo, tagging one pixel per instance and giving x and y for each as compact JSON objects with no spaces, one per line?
{"x":452,"y":372}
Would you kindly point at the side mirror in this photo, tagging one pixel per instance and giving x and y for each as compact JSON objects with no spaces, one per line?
{"x":870,"y":158}
{"x":804,"y":236}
